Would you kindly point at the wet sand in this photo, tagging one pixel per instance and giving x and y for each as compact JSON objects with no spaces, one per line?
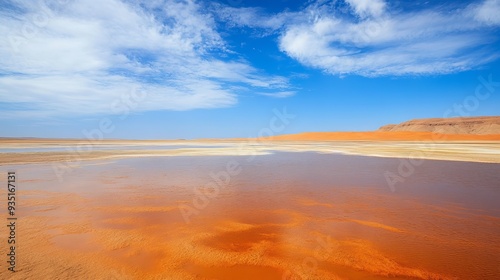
{"x":73,"y":152}
{"x":284,"y":215}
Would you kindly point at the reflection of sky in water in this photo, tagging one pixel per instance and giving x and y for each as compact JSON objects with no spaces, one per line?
{"x":473,"y":185}
{"x":425,"y":223}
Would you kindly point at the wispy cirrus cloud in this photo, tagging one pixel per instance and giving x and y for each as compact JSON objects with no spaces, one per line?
{"x":253,"y":17}
{"x":368,"y":38}
{"x":413,"y":43}
{"x":73,"y":58}
{"x":78,"y":57}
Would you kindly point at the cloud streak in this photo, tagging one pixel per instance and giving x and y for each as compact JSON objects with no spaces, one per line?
{"x":74,"y":58}
{"x":412,"y":43}
{"x":78,"y":57}
{"x":368,"y":38}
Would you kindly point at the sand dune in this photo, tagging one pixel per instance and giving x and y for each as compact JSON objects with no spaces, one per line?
{"x":436,"y":130}
{"x":384,"y":136}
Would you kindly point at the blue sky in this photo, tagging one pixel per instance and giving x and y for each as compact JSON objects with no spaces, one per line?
{"x":194,"y":69}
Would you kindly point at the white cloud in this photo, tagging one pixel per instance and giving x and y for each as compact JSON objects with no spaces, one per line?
{"x":405,"y":43}
{"x":79,"y":57}
{"x":282,"y":94}
{"x":488,"y":12}
{"x":365,"y":8}
{"x":370,"y":39}
{"x":252,"y":17}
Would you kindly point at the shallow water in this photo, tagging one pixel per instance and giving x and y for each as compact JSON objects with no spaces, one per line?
{"x":280,"y":216}
{"x":89,"y":147}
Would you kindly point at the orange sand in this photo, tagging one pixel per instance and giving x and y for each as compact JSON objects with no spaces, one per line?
{"x":306,"y":136}
{"x":134,"y":237}
{"x":384,"y":136}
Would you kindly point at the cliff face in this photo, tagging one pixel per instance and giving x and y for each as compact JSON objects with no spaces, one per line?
{"x":468,"y":125}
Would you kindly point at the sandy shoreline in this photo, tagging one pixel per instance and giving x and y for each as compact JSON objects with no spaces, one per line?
{"x":72,"y":151}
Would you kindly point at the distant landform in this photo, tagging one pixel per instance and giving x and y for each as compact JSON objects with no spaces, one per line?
{"x":466,"y":125}
{"x":436,"y":129}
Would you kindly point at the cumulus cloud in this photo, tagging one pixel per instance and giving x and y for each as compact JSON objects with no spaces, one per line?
{"x":370,"y":39}
{"x":381,"y":47}
{"x":411,"y":43}
{"x":79,"y":57}
{"x":71,"y":58}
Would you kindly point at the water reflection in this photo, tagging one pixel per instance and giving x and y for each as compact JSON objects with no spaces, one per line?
{"x":302,"y":215}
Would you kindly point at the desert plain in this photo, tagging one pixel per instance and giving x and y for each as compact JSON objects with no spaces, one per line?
{"x":381,"y":205}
